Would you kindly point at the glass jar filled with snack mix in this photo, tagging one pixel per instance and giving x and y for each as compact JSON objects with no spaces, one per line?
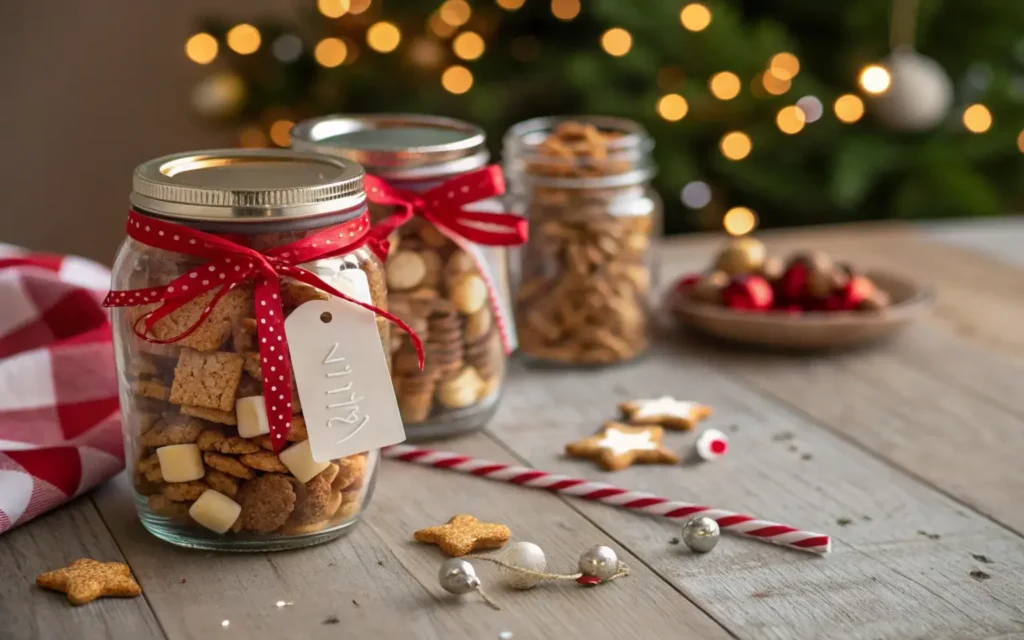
{"x":197,"y":388}
{"x":452,"y":291}
{"x":583,"y":280}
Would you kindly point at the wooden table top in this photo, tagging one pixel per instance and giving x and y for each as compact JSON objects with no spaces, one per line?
{"x":908,"y":454}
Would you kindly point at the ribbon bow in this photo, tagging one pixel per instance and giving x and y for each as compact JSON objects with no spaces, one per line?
{"x":444,"y":207}
{"x":231,"y":264}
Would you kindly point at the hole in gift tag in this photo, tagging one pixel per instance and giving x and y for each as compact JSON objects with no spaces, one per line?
{"x":326,"y":317}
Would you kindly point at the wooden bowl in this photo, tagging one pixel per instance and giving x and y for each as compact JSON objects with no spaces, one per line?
{"x":811,"y":330}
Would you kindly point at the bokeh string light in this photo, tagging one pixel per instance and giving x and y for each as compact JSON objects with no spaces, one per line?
{"x":875,"y":79}
{"x":736,"y":145}
{"x":672,"y":107}
{"x":287,"y":47}
{"x":695,"y":17}
{"x":565,"y":10}
{"x":775,"y":85}
{"x":281,"y":132}
{"x":1020,"y":141}
{"x":426,"y":52}
{"x":724,"y":85}
{"x":511,"y":5}
{"x":468,"y":45}
{"x":812,"y":107}
{"x":696,"y":194}
{"x":330,"y":52}
{"x":201,"y":48}
{"x":439,"y":27}
{"x":357,"y":7}
{"x":784,"y":66}
{"x":457,"y":79}
{"x":243,"y":39}
{"x":616,"y":41}
{"x":848,"y":108}
{"x":455,"y":12}
{"x":333,"y":8}
{"x":790,"y":119}
{"x":739,"y":221}
{"x":383,"y":37}
{"x":977,"y":118}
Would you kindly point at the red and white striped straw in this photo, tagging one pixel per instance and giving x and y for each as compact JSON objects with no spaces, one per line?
{"x":730,"y":521}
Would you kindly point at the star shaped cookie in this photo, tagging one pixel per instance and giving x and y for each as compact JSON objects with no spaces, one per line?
{"x":665,"y":411}
{"x":465,"y":534}
{"x":618,"y":446}
{"x":84,"y":580}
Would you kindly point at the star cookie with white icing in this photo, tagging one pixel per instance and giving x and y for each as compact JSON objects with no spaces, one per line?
{"x":665,"y":411}
{"x":618,"y":446}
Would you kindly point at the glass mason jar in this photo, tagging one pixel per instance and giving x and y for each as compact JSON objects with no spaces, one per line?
{"x":583,"y":280}
{"x":195,"y":429}
{"x":435,"y":286}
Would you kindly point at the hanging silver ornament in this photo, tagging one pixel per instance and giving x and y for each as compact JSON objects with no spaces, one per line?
{"x":458,"y":576}
{"x":600,"y":562}
{"x":919,"y":96}
{"x":701,"y":534}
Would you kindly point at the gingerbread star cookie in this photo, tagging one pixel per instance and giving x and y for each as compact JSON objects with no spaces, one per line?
{"x":618,"y":446}
{"x":465,"y":534}
{"x":84,"y":580}
{"x":665,"y":411}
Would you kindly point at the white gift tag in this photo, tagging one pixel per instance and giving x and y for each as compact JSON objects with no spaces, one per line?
{"x":342,"y":375}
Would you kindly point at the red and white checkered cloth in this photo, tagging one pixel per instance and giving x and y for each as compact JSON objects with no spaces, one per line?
{"x":60,"y":429}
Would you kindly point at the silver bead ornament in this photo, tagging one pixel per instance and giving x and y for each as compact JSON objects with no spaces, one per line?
{"x":701,"y":534}
{"x":458,"y":576}
{"x":600,"y":562}
{"x":523,"y":555}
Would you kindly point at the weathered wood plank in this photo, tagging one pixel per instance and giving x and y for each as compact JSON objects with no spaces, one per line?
{"x":884,"y":579}
{"x":907,"y":411}
{"x":1000,"y":238}
{"x":50,"y":542}
{"x":378,"y":582}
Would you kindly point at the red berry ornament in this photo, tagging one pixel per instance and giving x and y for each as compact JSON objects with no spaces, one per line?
{"x":748,"y":293}
{"x":793,"y":284}
{"x":856,"y":291}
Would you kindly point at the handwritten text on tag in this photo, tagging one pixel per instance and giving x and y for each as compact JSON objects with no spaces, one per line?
{"x":341,"y":374}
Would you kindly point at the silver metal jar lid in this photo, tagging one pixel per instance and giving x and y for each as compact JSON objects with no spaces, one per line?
{"x":247,"y":185}
{"x":397,"y":146}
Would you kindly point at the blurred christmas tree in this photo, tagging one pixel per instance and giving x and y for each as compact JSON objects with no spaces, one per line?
{"x":802,"y":111}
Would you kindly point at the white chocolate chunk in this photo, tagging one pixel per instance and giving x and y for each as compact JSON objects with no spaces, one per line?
{"x":180,"y":462}
{"x":215,"y":511}
{"x":299,"y":460}
{"x":252,"y":416}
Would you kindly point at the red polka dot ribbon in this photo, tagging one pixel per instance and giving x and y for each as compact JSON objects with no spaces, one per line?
{"x":231,"y":264}
{"x":444,"y":206}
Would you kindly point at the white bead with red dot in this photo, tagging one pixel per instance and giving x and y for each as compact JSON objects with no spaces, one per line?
{"x":712,"y":444}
